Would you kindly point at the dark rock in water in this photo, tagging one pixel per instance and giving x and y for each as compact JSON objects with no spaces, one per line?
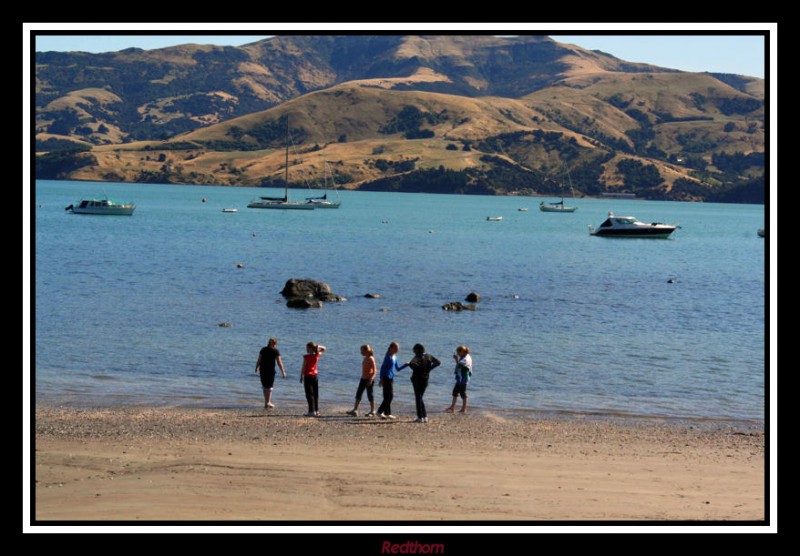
{"x":332,"y":297}
{"x":458,"y":306}
{"x":373,"y":296}
{"x":473,"y":297}
{"x":304,"y":303}
{"x":225,"y":324}
{"x":297,"y":287}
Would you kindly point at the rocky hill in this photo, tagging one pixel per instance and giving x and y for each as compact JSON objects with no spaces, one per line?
{"x":473,"y":114}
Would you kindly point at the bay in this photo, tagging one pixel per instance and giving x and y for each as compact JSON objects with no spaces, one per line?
{"x":126,"y":309}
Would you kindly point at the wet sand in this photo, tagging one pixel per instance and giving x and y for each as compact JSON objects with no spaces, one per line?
{"x":128,"y":464}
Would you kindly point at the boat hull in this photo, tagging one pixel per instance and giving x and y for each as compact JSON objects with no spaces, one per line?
{"x":643,"y":231}
{"x":279,"y":205}
{"x":545,"y":208}
{"x":110,"y":211}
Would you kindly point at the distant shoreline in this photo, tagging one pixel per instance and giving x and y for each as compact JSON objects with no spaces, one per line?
{"x":607,"y":196}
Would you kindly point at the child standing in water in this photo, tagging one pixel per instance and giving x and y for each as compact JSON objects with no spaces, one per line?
{"x":463,"y":372}
{"x":308,"y":377}
{"x":265,"y":368}
{"x":368,"y":368}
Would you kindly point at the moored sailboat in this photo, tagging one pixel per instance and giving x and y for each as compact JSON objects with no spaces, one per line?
{"x":323,"y":201}
{"x":282,"y":203}
{"x":559,"y":206}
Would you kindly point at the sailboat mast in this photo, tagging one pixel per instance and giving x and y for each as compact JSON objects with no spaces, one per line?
{"x":286,"y":178}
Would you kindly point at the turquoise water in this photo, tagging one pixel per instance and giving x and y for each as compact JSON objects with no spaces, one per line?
{"x":127,"y":308}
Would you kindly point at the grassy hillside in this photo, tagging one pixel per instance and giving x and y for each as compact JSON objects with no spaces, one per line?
{"x":472,"y":114}
{"x":156,"y":94}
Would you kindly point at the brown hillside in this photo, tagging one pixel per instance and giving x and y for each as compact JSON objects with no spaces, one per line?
{"x":509,"y":109}
{"x":359,"y":111}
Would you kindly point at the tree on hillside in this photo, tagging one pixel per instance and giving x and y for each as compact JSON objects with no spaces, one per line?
{"x":638,"y":175}
{"x":58,"y":165}
{"x":64,"y":122}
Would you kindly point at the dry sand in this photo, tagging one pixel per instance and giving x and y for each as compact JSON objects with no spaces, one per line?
{"x":203,"y":464}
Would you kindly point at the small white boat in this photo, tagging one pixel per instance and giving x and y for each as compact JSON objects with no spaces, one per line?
{"x":230,"y":210}
{"x":323,"y":202}
{"x":494,"y":218}
{"x":102,"y":206}
{"x":523,"y":209}
{"x":629,"y":226}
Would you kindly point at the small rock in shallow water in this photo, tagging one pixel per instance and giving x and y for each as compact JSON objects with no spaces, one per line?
{"x":458,"y":306}
{"x":304,"y":303}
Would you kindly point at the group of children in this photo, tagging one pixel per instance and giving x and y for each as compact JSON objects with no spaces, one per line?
{"x":421,"y":365}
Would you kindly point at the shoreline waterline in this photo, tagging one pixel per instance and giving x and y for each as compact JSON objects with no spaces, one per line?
{"x":405,"y":412}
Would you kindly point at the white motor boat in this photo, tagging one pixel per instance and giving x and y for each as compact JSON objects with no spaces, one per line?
{"x":629,"y":226}
{"x":102,"y":206}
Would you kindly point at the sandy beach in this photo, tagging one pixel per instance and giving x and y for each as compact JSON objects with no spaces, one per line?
{"x":128,"y":464}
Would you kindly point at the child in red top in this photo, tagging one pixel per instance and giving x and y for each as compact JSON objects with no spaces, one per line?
{"x":308,"y":377}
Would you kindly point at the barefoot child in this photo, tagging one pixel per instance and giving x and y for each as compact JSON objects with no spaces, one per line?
{"x":421,"y":365}
{"x":388,"y":368}
{"x":308,"y":377}
{"x":463,"y":372}
{"x":265,"y":368}
{"x":368,"y":368}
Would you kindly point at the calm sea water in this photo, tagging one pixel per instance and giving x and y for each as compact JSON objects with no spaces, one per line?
{"x":127,"y":308}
